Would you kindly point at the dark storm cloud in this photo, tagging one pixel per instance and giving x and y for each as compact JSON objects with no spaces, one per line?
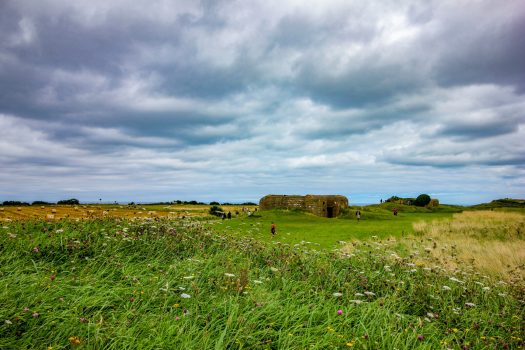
{"x":476,"y":131}
{"x":260,"y":88}
{"x":481,"y":44}
{"x":457,"y":161}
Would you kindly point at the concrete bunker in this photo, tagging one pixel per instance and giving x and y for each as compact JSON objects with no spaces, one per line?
{"x":329,"y":206}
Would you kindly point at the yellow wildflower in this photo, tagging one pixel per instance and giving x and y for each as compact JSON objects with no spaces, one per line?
{"x":74,"y":340}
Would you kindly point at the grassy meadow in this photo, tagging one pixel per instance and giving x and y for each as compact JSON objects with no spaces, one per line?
{"x":162,"y":282}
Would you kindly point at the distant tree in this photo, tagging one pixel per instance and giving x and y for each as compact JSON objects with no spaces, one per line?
{"x":226,"y":203}
{"x":215,"y":203}
{"x":41,"y":203}
{"x":216,"y":210}
{"x":248,"y":203}
{"x":69,"y":201}
{"x":422,"y":200}
{"x":18,"y":203}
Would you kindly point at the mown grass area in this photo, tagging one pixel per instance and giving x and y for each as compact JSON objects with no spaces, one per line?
{"x":294,"y":227}
{"x":176,"y":284}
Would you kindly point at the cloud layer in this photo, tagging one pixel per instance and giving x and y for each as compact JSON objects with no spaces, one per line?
{"x":231,"y":100}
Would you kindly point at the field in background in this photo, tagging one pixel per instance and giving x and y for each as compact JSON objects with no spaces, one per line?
{"x":90,"y":211}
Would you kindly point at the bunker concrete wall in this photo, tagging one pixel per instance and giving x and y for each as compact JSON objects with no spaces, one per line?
{"x":321,"y":205}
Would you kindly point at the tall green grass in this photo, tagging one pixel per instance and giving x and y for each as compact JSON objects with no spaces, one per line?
{"x":121,"y":284}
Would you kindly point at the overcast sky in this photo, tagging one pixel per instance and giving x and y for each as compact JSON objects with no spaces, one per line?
{"x":149,"y":100}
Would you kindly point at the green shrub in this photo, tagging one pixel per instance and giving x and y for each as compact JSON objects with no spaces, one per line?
{"x":422,"y":200}
{"x":69,"y":201}
{"x":216,"y":210}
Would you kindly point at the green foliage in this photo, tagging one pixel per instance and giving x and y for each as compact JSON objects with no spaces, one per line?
{"x":215,"y":203}
{"x":216,"y":210}
{"x":41,"y":203}
{"x":14,"y":203}
{"x":69,"y":201}
{"x":422,"y":200}
{"x":393,"y":199}
{"x":501,"y":203}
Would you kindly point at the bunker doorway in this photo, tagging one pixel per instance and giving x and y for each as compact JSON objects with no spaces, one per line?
{"x":329,"y":212}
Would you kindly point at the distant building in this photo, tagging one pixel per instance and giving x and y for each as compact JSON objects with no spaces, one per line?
{"x":328,"y":206}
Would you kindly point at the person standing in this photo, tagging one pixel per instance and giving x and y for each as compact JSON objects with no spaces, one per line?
{"x":358,"y":215}
{"x":272,"y":229}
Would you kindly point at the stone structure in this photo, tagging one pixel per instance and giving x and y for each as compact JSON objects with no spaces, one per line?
{"x":328,"y":206}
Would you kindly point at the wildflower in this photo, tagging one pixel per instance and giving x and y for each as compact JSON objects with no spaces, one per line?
{"x":35,"y":314}
{"x":83,"y":319}
{"x":339,"y":312}
{"x":229,"y":275}
{"x":337,"y":294}
{"x":189,"y":277}
{"x":8,"y":322}
{"x":470,"y":304}
{"x":74,"y":340}
{"x":455,"y":280}
{"x":359,"y":294}
{"x":177,"y":318}
{"x":26,"y":309}
{"x":349,"y":344}
{"x":36,"y":249}
{"x":185,"y":296}
{"x":486,"y":288}
{"x":257,"y":281}
{"x":274,"y":269}
{"x":53,"y":277}
{"x":446,"y":288}
{"x":175,"y":306}
{"x":357,"y":301}
{"x":369,"y":294}
{"x":420,"y":337}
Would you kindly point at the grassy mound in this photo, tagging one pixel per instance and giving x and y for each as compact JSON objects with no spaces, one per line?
{"x":118,"y":284}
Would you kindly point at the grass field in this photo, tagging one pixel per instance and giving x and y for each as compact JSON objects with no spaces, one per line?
{"x":294,"y":227}
{"x":204,"y":283}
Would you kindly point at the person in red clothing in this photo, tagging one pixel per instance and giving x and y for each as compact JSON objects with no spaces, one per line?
{"x":272,"y":229}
